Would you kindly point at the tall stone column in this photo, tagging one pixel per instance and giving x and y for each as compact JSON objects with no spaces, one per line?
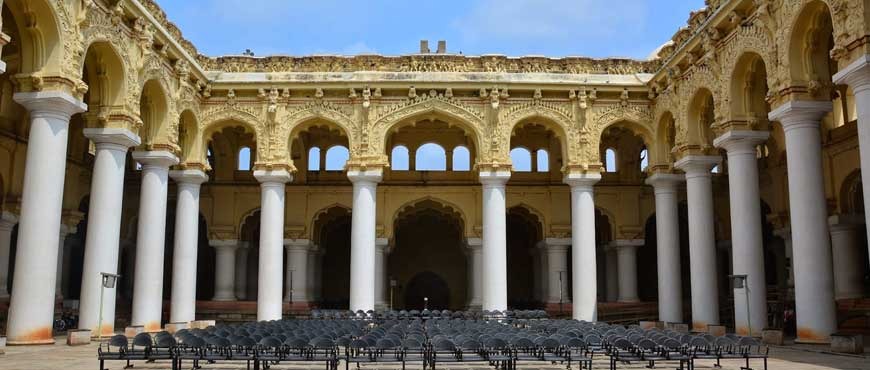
{"x":65,"y":230}
{"x":494,"y":239}
{"x":318,"y":275}
{"x":475,"y":278}
{"x":312,"y":272}
{"x":543,"y":267}
{"x":668,"y":246}
{"x":848,"y":259}
{"x":584,"y":274}
{"x":747,"y":251}
{"x":702,"y":239}
{"x":150,"y":239}
{"x":362,"y":243}
{"x":183,"y":300}
{"x":104,"y":226}
{"x":297,"y":271}
{"x":269,"y":276}
{"x":31,"y":309}
{"x":381,"y":250}
{"x":241,"y":273}
{"x":557,"y":271}
{"x":857,"y":76}
{"x":7,"y":223}
{"x":611,"y":271}
{"x":785,"y":234}
{"x":626,"y":258}
{"x":225,"y":269}
{"x":816,"y":312}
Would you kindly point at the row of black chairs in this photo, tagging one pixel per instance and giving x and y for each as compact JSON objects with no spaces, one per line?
{"x":426,"y":314}
{"x":499,"y":343}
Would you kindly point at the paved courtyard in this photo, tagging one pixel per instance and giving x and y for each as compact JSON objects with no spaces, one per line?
{"x":60,"y":356}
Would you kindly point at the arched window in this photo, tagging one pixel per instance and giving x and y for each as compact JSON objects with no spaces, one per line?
{"x":399,"y":158}
{"x":461,"y":159}
{"x":644,"y":159}
{"x":521,"y":159}
{"x":543,"y":160}
{"x":716,"y":169}
{"x":336,"y":157}
{"x":314,"y":159}
{"x":430,"y":157}
{"x":762,"y":151}
{"x":610,"y":160}
{"x":244,"y":159}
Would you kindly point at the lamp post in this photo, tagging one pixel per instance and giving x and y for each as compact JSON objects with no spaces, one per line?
{"x":109,"y":280}
{"x":561,"y":293}
{"x":739,"y":282}
{"x":393,"y":284}
{"x":425,"y":303}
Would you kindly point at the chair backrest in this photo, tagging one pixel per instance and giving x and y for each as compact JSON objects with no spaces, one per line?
{"x":623,"y":343}
{"x":271,"y":342}
{"x":119,"y":341}
{"x":143,"y":340}
{"x":412,"y":343}
{"x":323,"y":343}
{"x":647,"y":345}
{"x":699,"y":342}
{"x":445,"y":345}
{"x":165,"y":341}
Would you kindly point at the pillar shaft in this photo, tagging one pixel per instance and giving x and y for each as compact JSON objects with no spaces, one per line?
{"x":297,"y":263}
{"x":747,"y":251}
{"x":543,"y":266}
{"x":670,"y":286}
{"x":150,"y":239}
{"x":225,"y":269}
{"x":312,"y":272}
{"x":31,"y":309}
{"x":241,"y":273}
{"x":104,"y":227}
{"x":848,"y":260}
{"x":557,"y":270}
{"x":702,"y":242}
{"x":362,"y":244}
{"x":814,"y":279}
{"x":494,"y":240}
{"x":61,"y":253}
{"x":381,"y":248}
{"x":584,"y":274}
{"x":626,"y":258}
{"x":611,"y":271}
{"x":269,"y":276}
{"x":475,"y":251}
{"x":7,"y":223}
{"x":183,"y":299}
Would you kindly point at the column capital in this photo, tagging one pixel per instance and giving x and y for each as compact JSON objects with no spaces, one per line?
{"x":856,"y":74}
{"x":560,"y":244}
{"x":494,"y":176}
{"x":845,"y":222}
{"x":58,"y":103}
{"x":663,"y":181}
{"x":626,"y":243}
{"x":741,"y":140}
{"x":7,"y":220}
{"x":365,"y":176}
{"x":273,"y":176}
{"x":156,"y":158}
{"x":195,"y":177}
{"x":224,"y":243}
{"x":297,"y":244}
{"x":244,"y":244}
{"x":800,"y":113}
{"x":474,"y":244}
{"x":694,"y":165}
{"x":112,"y":137}
{"x":783,"y":232}
{"x":582,"y":180}
{"x":382,"y":245}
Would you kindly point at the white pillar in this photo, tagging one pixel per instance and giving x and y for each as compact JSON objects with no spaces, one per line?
{"x":241,"y":273}
{"x":584,"y":274}
{"x":362,"y":243}
{"x":318,"y":275}
{"x":381,"y":250}
{"x":785,"y":234}
{"x":494,"y":239}
{"x":312,"y":273}
{"x":297,"y":271}
{"x":269,"y":276}
{"x":65,"y":230}
{"x":31,"y":309}
{"x":747,"y":251}
{"x":104,"y":226}
{"x":150,"y":239}
{"x":626,"y":258}
{"x":183,"y":300}
{"x":557,"y":273}
{"x":7,"y":223}
{"x":611,"y":271}
{"x":475,"y":250}
{"x":816,"y":312}
{"x":857,"y":76}
{"x":670,"y":285}
{"x":702,"y":239}
{"x":848,"y":259}
{"x":544,"y":266}
{"x":225,"y":269}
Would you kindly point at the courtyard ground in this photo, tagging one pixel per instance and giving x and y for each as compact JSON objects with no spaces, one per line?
{"x":61,"y":356}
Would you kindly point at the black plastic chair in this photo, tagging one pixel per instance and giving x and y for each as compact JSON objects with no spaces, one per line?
{"x":115,"y":349}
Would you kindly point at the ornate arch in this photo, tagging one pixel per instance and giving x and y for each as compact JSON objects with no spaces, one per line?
{"x":316,"y":111}
{"x":457,"y":113}
{"x":320,"y":213}
{"x":446,"y":205}
{"x":216,"y":117}
{"x":533,"y":211}
{"x":551,"y":115}
{"x":755,"y":39}
{"x":44,"y":27}
{"x":102,"y":30}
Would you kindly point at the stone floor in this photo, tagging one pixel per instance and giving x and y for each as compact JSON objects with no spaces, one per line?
{"x":60,"y":356}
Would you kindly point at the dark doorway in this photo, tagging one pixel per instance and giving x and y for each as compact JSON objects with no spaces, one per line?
{"x":427,"y":284}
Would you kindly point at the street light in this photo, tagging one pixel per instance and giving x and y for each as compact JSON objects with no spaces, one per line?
{"x":561,"y":293}
{"x":109,"y":280}
{"x":740,"y":282}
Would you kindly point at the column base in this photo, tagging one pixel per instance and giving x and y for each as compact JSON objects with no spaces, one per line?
{"x":629,"y":300}
{"x":29,"y":342}
{"x":554,"y":308}
{"x":474,"y":306}
{"x":228,"y":298}
{"x":297,"y":306}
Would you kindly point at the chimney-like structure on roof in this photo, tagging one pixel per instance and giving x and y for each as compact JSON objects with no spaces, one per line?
{"x":424,"y":46}
{"x":442,"y":47}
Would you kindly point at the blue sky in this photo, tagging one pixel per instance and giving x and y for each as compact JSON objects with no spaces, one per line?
{"x":595,"y":28}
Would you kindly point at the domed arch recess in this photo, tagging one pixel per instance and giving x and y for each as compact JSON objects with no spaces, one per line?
{"x":811,"y":39}
{"x":700,"y":116}
{"x":154,"y":111}
{"x":106,"y":75}
{"x":748,"y":92}
{"x":316,"y":132}
{"x":447,"y":208}
{"x":448,"y":110}
{"x":665,"y":140}
{"x":216,"y":128}
{"x":43,"y":47}
{"x":554,"y":121}
{"x":323,"y":216}
{"x":530,"y":213}
{"x":193,"y":149}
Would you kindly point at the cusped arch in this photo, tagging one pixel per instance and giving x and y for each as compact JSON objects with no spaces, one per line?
{"x":660,"y":152}
{"x":445,"y":205}
{"x":743,"y":93}
{"x":110,"y":78}
{"x":297,"y":123}
{"x":42,"y":33}
{"x":803,"y":36}
{"x":244,"y":219}
{"x":451,"y":111}
{"x":695,"y":127}
{"x":316,"y":218}
{"x":553,"y":119}
{"x":531,"y":210}
{"x":213,"y":121}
